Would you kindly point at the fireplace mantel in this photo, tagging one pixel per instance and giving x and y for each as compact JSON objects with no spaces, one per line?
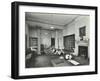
{"x":83,"y":43}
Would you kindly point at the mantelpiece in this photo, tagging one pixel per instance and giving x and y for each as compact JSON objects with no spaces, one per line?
{"x":83,"y":42}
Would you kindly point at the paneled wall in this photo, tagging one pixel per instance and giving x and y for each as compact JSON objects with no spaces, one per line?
{"x":73,"y":28}
{"x":45,"y":36}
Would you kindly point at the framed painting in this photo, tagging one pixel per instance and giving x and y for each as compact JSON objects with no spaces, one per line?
{"x":51,"y":40}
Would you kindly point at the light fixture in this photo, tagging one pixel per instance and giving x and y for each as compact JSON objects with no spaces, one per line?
{"x":52,"y":27}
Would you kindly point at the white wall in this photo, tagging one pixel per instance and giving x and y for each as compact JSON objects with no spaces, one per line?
{"x":46,"y":38}
{"x":73,"y":28}
{"x":5,"y":41}
{"x":46,"y":35}
{"x":33,"y":32}
{"x":59,"y":39}
{"x":80,"y":22}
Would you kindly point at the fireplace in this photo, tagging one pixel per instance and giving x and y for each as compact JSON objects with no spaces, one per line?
{"x":83,"y":51}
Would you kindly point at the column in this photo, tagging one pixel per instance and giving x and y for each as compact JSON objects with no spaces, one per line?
{"x":39,"y":40}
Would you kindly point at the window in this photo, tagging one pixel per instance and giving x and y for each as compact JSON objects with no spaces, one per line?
{"x":69,"y":42}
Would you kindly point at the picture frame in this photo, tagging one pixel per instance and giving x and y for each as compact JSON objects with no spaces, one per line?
{"x":19,"y":11}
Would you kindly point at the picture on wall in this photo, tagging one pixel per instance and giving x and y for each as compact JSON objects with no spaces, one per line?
{"x":47,"y":38}
{"x":54,"y":27}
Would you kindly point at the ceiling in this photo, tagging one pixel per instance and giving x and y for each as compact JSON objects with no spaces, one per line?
{"x":49,"y":19}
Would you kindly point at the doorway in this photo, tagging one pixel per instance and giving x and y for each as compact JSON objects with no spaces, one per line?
{"x":52,"y":41}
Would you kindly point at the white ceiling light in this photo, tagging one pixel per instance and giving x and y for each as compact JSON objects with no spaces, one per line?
{"x":52,"y":27}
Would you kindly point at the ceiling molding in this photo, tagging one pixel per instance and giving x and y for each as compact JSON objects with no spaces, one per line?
{"x":29,"y":19}
{"x":71,"y":21}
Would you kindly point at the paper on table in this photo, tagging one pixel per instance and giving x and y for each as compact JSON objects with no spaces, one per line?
{"x":74,"y":62}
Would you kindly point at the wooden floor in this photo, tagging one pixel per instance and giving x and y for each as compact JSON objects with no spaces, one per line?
{"x":47,"y":61}
{"x":39,"y":61}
